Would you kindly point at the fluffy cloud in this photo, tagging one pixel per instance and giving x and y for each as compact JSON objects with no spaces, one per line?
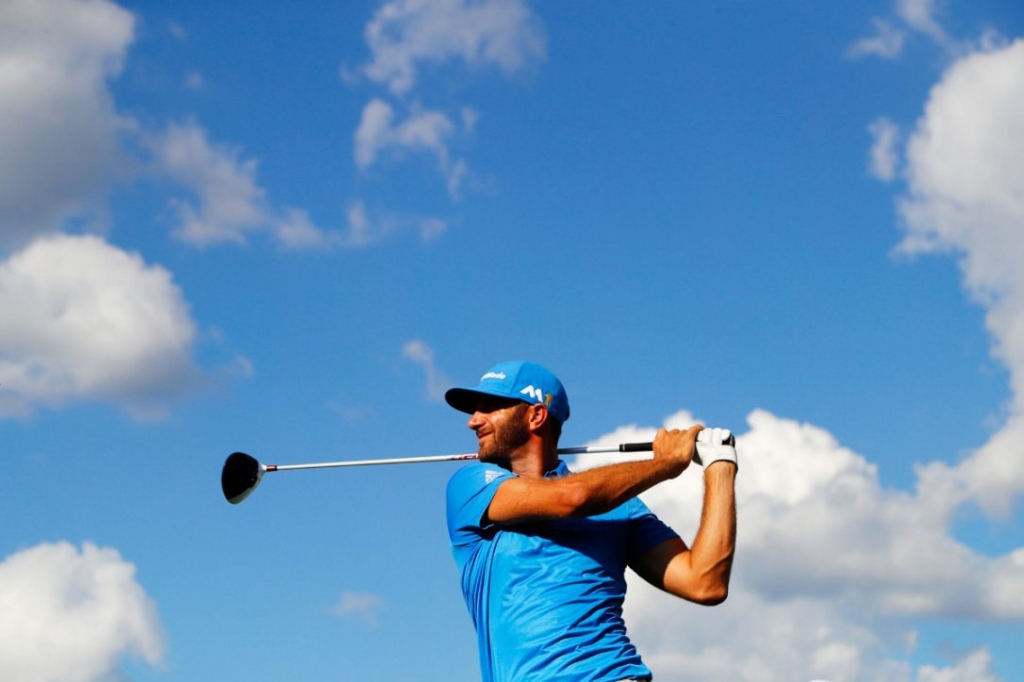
{"x":228,"y":205}
{"x":59,"y":151}
{"x":69,"y":615}
{"x":83,"y":320}
{"x":965,"y":175}
{"x":362,"y":605}
{"x":421,"y":131}
{"x":377,"y":131}
{"x":884,"y":154}
{"x":63,"y":145}
{"x":831,"y":568}
{"x":229,"y":202}
{"x":974,"y":667}
{"x":919,"y":16}
{"x":887,"y":42}
{"x":86,"y":320}
{"x":423,"y":355}
{"x":407,"y":33}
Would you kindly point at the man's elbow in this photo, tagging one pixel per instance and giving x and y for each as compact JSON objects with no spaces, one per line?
{"x":573,"y":500}
{"x":711,"y":591}
{"x":711,"y":582}
{"x":712,"y":596}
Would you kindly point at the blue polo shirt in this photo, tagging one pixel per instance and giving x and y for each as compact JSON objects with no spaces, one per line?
{"x":546,"y":597}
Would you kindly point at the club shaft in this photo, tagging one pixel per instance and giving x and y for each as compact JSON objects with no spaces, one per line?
{"x":583,"y":450}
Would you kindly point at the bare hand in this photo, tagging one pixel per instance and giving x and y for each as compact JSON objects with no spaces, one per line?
{"x":676,"y":447}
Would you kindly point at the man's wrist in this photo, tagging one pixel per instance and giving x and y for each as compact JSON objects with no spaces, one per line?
{"x":667,"y":469}
{"x":721,"y":469}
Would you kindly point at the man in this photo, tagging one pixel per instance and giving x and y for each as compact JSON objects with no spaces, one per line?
{"x":542,"y":552}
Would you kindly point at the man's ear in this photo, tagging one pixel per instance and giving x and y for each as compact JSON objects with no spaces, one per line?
{"x":537,"y":416}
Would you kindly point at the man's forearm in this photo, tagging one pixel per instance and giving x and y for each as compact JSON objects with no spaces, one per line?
{"x":713,"y":549}
{"x":595,"y":491}
{"x":590,"y":492}
{"x":602,"y":489}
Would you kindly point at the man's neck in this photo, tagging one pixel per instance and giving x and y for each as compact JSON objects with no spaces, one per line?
{"x":534,"y":459}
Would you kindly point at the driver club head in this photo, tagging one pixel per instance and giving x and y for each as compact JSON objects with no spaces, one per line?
{"x":240,"y":476}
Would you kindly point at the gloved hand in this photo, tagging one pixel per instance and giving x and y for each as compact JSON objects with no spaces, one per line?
{"x":715,"y":445}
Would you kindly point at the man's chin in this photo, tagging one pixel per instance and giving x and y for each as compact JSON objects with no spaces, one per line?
{"x":488,"y":456}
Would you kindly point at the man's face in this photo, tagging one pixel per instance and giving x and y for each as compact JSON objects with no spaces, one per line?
{"x":500,"y":426}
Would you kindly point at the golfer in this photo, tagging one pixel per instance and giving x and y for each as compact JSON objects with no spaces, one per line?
{"x":542,"y":552}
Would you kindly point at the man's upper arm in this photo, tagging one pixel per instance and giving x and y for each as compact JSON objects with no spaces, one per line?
{"x":661,"y":564}
{"x":520,"y":499}
{"x":657,"y":551}
{"x":481,"y":495}
{"x":469,"y":493}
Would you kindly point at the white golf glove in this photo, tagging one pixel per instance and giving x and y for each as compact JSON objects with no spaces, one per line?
{"x":715,"y":445}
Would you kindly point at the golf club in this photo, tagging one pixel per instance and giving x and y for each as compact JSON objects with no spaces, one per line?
{"x":243,"y":472}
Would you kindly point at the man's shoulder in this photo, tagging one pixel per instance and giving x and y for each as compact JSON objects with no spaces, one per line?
{"x":477,"y":475}
{"x":470,"y":490}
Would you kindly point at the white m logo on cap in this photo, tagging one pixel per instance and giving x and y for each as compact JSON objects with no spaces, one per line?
{"x":534,"y":393}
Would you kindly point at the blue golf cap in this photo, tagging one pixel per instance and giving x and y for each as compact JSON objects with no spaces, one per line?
{"x":526,"y":381}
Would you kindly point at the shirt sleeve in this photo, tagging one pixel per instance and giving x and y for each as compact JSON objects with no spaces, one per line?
{"x":470,"y":491}
{"x":646,"y":530}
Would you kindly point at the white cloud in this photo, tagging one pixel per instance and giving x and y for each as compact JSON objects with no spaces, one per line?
{"x":360,"y":229}
{"x":432,"y":228}
{"x":839,"y":566}
{"x":63,"y":145}
{"x":405,"y":34}
{"x":60,"y":146}
{"x":887,"y":42}
{"x":920,"y":16}
{"x":884,"y":151}
{"x":965,"y":174}
{"x":917,"y":17}
{"x":830,"y":568}
{"x":457,"y":175}
{"x":373,"y":132}
{"x":964,"y":163}
{"x":230,"y":202}
{"x":70,"y":616}
{"x":362,"y":605}
{"x":470,"y":117}
{"x":58,"y":125}
{"x":423,"y":355}
{"x":975,"y":667}
{"x":422,"y":130}
{"x":294,"y":230}
{"x":86,"y":320}
{"x":229,"y":205}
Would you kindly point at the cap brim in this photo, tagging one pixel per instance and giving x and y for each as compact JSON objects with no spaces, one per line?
{"x":467,"y":399}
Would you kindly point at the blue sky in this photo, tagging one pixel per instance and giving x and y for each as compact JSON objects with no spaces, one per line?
{"x":286,"y":230}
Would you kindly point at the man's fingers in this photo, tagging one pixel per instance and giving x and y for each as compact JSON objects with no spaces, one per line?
{"x":709,"y":445}
{"x":716,"y":437}
{"x":715,"y":445}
